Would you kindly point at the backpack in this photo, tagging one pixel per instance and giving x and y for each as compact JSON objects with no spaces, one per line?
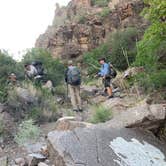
{"x":112,"y":71}
{"x":39,"y":67}
{"x":74,"y":76}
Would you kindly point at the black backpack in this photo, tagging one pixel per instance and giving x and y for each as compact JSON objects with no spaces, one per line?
{"x":39,"y":67}
{"x":112,"y":71}
{"x":74,"y":76}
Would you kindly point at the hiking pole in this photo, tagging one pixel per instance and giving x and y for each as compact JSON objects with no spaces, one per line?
{"x":67,"y":91}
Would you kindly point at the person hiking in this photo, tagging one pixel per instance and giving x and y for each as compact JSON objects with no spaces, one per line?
{"x":30,"y":71}
{"x":73,"y":80}
{"x":105,"y":74}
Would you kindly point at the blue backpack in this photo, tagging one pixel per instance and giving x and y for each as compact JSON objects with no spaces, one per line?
{"x":74,"y":76}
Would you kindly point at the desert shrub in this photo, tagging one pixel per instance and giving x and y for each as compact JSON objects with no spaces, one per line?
{"x":8,"y":66}
{"x":36,"y":103}
{"x":120,"y":50}
{"x":101,"y":114}
{"x":81,"y":19}
{"x":1,"y":126}
{"x":100,"y":3}
{"x":123,"y":48}
{"x":151,"y":48}
{"x":54,"y":69}
{"x":27,"y":131}
{"x":91,"y":58}
{"x":106,"y":11}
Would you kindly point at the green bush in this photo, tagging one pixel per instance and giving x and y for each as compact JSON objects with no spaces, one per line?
{"x":1,"y":126}
{"x":8,"y":66}
{"x":27,"y":131}
{"x":100,"y":3}
{"x":151,"y":49}
{"x":54,"y":69}
{"x":81,"y":19}
{"x":91,"y":58}
{"x":123,"y":48}
{"x":101,"y":114}
{"x":106,"y":11}
{"x":120,"y":50}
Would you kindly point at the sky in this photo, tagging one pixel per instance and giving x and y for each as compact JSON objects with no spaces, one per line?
{"x":22,"y":21}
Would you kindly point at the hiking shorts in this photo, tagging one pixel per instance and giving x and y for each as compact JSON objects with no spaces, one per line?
{"x":107,"y":82}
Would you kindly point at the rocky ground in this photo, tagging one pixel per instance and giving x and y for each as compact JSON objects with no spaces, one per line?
{"x":73,"y":141}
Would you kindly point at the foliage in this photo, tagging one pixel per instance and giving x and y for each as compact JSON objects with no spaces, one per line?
{"x":120,"y":50}
{"x":151,"y":49}
{"x":91,"y":58}
{"x":101,"y":114}
{"x":42,"y":108}
{"x":1,"y":125}
{"x":100,"y":3}
{"x":81,"y":19}
{"x":53,"y":68}
{"x":123,"y":48}
{"x":27,"y":131}
{"x":105,"y":12}
{"x":8,"y":66}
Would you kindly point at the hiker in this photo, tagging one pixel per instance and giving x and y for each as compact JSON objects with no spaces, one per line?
{"x":73,"y":80}
{"x":105,"y":74}
{"x":12,"y":79}
{"x":34,"y":70}
{"x":30,"y":71}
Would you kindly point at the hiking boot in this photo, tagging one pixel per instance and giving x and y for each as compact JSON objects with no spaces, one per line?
{"x":80,"y":110}
{"x":110,"y":97}
{"x":75,"y":110}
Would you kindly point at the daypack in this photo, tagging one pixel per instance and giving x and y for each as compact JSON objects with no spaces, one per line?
{"x":74,"y":76}
{"x":39,"y":67}
{"x":112,"y":71}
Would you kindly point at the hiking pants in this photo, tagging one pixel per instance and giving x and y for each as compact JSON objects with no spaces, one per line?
{"x":75,"y":96}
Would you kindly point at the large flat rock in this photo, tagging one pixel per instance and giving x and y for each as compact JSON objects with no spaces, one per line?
{"x":104,"y":146}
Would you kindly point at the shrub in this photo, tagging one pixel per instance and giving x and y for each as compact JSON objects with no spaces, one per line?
{"x":54,"y":69}
{"x":81,"y":19}
{"x":151,"y":48}
{"x":100,"y":3}
{"x":27,"y":131}
{"x":42,"y":108}
{"x":7,"y":66}
{"x":106,"y":11}
{"x":123,"y":48}
{"x":101,"y":114}
{"x":120,"y":50}
{"x":1,"y":126}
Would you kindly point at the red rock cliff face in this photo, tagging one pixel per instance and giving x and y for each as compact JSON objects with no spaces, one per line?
{"x":80,"y":27}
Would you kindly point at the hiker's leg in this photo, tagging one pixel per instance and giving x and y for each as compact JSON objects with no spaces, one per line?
{"x":108,"y":86}
{"x":77,"y":90}
{"x":109,"y":91}
{"x":72,"y":96}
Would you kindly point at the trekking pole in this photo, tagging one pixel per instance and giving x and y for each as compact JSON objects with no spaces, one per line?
{"x":67,"y":91}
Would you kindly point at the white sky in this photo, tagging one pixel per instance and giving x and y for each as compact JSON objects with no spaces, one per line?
{"x":22,"y":21}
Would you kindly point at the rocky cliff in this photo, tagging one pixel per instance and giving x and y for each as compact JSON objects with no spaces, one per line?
{"x":81,"y":26}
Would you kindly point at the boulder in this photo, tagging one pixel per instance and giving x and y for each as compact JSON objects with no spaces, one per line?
{"x":104,"y":146}
{"x":141,"y":115}
{"x":69,"y":123}
{"x":4,"y":161}
{"x":20,"y":161}
{"x":25,"y":95}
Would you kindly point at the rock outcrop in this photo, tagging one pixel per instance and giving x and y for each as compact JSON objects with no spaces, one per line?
{"x":102,"y":146}
{"x":79,"y":27}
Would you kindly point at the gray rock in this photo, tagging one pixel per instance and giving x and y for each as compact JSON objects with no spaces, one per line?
{"x":42,"y":164}
{"x":69,"y":123}
{"x":20,"y":161}
{"x":4,"y":161}
{"x":97,"y":146}
{"x":35,"y":158}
